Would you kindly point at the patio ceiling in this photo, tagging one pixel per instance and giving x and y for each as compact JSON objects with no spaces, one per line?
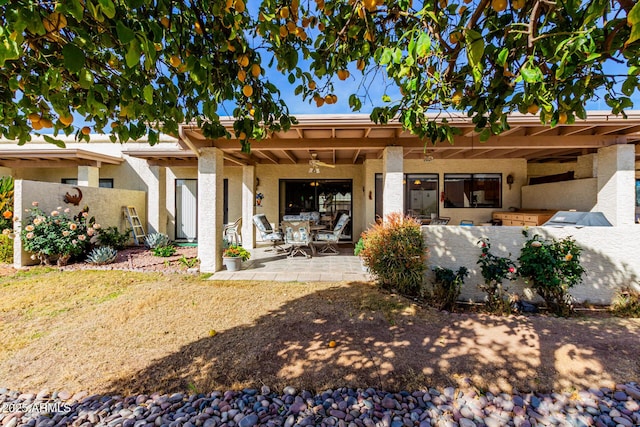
{"x":350,"y":139}
{"x":21,"y":157}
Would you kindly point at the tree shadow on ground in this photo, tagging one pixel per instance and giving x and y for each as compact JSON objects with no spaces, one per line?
{"x":386,"y":341}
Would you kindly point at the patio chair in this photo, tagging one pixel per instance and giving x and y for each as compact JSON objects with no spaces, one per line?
{"x":298,"y":235}
{"x":231,"y":232}
{"x":267,"y":233}
{"x":330,"y":240}
{"x":443,"y":220}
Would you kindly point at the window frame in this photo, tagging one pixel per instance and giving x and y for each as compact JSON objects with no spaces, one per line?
{"x":473,"y":178}
{"x":100,"y":182}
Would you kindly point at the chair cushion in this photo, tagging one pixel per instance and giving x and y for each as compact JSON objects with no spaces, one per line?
{"x":329,"y":237}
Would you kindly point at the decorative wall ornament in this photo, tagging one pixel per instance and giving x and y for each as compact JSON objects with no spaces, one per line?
{"x":74,"y":199}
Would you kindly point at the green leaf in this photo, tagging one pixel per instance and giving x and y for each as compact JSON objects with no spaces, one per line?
{"x":85,"y":78}
{"x":108,"y":8}
{"x":148,"y":94}
{"x":386,"y":57}
{"x":531,"y":75}
{"x":132,"y":57}
{"x":291,"y":78}
{"x":475,"y":47}
{"x":502,"y":57}
{"x":126,"y":35}
{"x":423,"y":45}
{"x":633,"y":19}
{"x":73,"y":57}
{"x":485,"y":134}
{"x":56,"y":142}
{"x":386,"y":98}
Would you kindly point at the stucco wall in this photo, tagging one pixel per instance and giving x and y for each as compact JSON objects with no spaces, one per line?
{"x":579,"y":194}
{"x":105,"y":204}
{"x":609,"y":256}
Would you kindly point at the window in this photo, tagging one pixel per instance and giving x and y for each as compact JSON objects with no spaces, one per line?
{"x":473,"y":190}
{"x":103,"y":182}
{"x":421,"y":195}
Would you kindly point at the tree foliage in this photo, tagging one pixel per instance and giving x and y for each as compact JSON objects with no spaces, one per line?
{"x":140,"y":67}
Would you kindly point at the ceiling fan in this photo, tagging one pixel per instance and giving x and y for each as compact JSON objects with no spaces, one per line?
{"x":314,"y":164}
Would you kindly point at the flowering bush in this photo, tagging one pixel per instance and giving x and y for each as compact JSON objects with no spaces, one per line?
{"x":56,"y":234}
{"x":234,"y":251}
{"x":552,"y":267}
{"x":396,"y":254}
{"x":6,"y":205}
{"x":495,"y":270}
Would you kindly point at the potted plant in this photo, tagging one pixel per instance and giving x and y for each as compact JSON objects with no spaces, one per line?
{"x":233,"y":256}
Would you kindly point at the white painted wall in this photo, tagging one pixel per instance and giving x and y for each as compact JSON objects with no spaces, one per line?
{"x":105,"y":204}
{"x":610,"y":256}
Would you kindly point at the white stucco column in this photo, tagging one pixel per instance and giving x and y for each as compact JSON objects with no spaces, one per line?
{"x":393,"y":174}
{"x":89,"y":176}
{"x":157,"y":200}
{"x":210,"y":209}
{"x":616,"y":183}
{"x":248,"y":203}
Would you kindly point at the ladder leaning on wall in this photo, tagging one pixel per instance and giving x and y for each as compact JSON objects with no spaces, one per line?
{"x":135,"y":223}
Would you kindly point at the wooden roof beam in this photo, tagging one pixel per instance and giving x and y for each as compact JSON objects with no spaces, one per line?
{"x":289,"y":155}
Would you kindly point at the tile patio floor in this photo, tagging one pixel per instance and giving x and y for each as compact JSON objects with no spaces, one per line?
{"x":266,"y":265}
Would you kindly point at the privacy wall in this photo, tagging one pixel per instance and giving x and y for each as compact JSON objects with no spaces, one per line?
{"x":105,"y":204}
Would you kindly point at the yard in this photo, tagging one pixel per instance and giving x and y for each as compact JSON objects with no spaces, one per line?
{"x":124,"y":333}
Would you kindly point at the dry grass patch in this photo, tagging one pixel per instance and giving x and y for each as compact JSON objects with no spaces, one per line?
{"x":124,"y":333}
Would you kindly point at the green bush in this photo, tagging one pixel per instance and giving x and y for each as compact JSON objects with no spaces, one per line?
{"x":447,"y":286}
{"x":626,"y":303}
{"x":552,"y":267}
{"x":495,"y":270}
{"x":395,"y":253}
{"x":6,"y":249}
{"x":112,"y":237}
{"x":164,"y":251}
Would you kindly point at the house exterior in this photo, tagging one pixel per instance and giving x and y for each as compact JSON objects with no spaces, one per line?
{"x":194,"y":185}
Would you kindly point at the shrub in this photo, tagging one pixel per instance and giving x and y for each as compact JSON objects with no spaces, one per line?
{"x":164,"y":251}
{"x":395,"y":253}
{"x":156,"y":240}
{"x":6,"y":248}
{"x":446,"y":288}
{"x":102,"y":255}
{"x":112,"y":237}
{"x":626,"y":303}
{"x":57,"y":235}
{"x":358,"y":247}
{"x":495,"y":270}
{"x":552,"y":267}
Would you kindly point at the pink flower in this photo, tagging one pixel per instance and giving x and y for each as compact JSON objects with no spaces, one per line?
{"x":72,"y":226}
{"x":74,"y":241}
{"x":85,"y":214}
{"x":82,"y":237}
{"x":97,"y":226}
{"x":65,"y":233}
{"x":67,"y":210}
{"x":90,"y":231}
{"x":536,"y":244}
{"x":512,"y":270}
{"x":30,"y":235}
{"x":37,"y":221}
{"x":55,"y":213}
{"x":6,"y":231}
{"x":34,"y":203}
{"x":29,"y":227}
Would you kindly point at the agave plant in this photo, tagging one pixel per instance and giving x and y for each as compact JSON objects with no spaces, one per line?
{"x":156,"y":240}
{"x":102,"y":255}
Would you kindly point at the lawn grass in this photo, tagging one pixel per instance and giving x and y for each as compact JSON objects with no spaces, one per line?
{"x":126,"y":333}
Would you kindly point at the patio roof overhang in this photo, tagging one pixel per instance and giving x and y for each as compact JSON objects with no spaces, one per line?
{"x":29,"y":157}
{"x":351,"y":139}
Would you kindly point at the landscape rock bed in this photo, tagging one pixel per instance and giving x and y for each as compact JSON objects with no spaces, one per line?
{"x":142,"y":259}
{"x":449,"y":407}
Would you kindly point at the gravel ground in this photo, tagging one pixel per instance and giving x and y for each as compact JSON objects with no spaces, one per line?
{"x":449,"y":407}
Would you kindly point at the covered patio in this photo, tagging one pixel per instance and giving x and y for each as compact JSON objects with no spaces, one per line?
{"x":273,"y":266}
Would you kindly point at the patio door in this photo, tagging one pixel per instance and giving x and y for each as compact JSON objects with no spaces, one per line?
{"x":186,"y":209}
{"x":330,"y":197}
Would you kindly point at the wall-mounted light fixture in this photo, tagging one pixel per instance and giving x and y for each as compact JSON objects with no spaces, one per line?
{"x":510,"y":180}
{"x":257,"y":182}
